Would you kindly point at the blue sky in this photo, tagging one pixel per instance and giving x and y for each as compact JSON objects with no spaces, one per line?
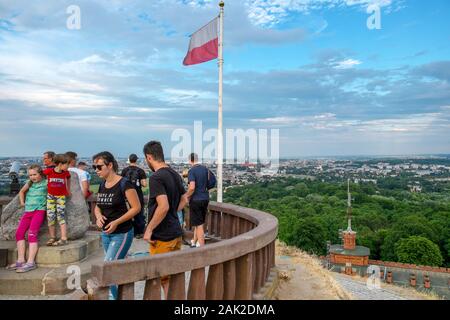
{"x":310,"y":68}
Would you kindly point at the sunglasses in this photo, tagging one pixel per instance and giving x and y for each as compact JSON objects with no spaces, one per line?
{"x":98,"y":166}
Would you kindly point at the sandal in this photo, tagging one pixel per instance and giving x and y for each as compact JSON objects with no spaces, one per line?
{"x":26,"y":267}
{"x":15,"y":266}
{"x":51,"y":241}
{"x":60,"y":242}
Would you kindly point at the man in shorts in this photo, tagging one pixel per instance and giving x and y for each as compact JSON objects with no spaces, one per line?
{"x":198,"y":197}
{"x":166,"y":197}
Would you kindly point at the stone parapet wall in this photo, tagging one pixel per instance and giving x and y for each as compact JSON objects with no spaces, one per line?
{"x":408,"y":266}
{"x":401,"y":265}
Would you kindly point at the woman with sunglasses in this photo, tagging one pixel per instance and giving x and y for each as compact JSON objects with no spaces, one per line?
{"x":113,"y":214}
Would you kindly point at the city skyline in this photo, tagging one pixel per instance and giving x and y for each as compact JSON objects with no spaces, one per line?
{"x":348,"y":157}
{"x":310,"y":68}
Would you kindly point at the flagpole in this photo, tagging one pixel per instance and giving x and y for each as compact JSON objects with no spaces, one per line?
{"x":220,"y":129}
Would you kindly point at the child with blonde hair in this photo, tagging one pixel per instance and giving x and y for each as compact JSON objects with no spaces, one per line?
{"x":32,"y":196}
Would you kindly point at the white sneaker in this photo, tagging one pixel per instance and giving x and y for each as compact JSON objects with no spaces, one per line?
{"x":197,"y":244}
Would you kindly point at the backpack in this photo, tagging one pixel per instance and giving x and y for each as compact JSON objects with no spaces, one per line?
{"x":133,"y":176}
{"x":211,"y":183}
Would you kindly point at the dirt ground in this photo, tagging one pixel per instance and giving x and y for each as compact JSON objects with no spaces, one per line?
{"x":302,"y":277}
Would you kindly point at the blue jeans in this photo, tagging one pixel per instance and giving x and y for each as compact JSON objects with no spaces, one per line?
{"x":116,"y":247}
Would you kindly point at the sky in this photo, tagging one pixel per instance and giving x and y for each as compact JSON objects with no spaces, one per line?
{"x":310,"y":68}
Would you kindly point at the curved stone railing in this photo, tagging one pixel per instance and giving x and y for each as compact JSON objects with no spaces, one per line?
{"x":236,"y":267}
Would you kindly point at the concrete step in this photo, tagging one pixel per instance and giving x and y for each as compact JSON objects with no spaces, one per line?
{"x":75,"y":251}
{"x":47,"y":281}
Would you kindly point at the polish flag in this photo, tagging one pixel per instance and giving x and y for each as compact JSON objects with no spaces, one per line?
{"x":204,"y":44}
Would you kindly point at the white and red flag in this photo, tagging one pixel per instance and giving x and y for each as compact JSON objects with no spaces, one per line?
{"x":207,"y":44}
{"x":204,"y":44}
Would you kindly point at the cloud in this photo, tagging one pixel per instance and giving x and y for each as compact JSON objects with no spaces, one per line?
{"x":270,"y":13}
{"x":122,"y":71}
{"x":93,"y":59}
{"x":125,"y":21}
{"x":318,"y":90}
{"x":413,"y":123}
{"x":186,"y":97}
{"x":347,"y":64}
{"x":55,"y":98}
{"x":277,"y":120}
{"x":6,"y":25}
{"x":438,"y":70}
{"x":289,"y":121}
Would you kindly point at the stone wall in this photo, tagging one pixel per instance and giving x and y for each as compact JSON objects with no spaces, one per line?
{"x":401,"y":275}
{"x":402,"y":272}
{"x":409,"y":266}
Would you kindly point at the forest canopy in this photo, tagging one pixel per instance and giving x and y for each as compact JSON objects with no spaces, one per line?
{"x":391,"y":221}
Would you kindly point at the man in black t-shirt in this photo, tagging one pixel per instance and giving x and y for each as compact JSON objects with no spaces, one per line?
{"x":138,"y":179}
{"x":198,"y":197}
{"x":166,"y":197}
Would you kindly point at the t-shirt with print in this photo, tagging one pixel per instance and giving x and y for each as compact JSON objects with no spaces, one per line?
{"x":36,"y":197}
{"x":168,"y":182}
{"x":112,"y":203}
{"x":199,"y":174}
{"x":57,"y":182}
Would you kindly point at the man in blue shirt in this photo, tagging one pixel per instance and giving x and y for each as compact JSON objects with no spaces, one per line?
{"x":198,"y":196}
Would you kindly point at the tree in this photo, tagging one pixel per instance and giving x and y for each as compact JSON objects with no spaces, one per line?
{"x":403,"y":228}
{"x":301,"y":189}
{"x":372,"y":240}
{"x":371,"y":219}
{"x":311,"y":212}
{"x":418,"y":250}
{"x":307,"y":234}
{"x":447,"y":247}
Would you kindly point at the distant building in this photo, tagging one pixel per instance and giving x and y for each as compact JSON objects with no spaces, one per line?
{"x":349,"y":258}
{"x":415,"y":188}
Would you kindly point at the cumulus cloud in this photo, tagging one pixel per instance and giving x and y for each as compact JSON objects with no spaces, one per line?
{"x":123,"y":71}
{"x":269,"y":13}
{"x":347,"y":64}
{"x":409,"y":124}
{"x":436,"y":70}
